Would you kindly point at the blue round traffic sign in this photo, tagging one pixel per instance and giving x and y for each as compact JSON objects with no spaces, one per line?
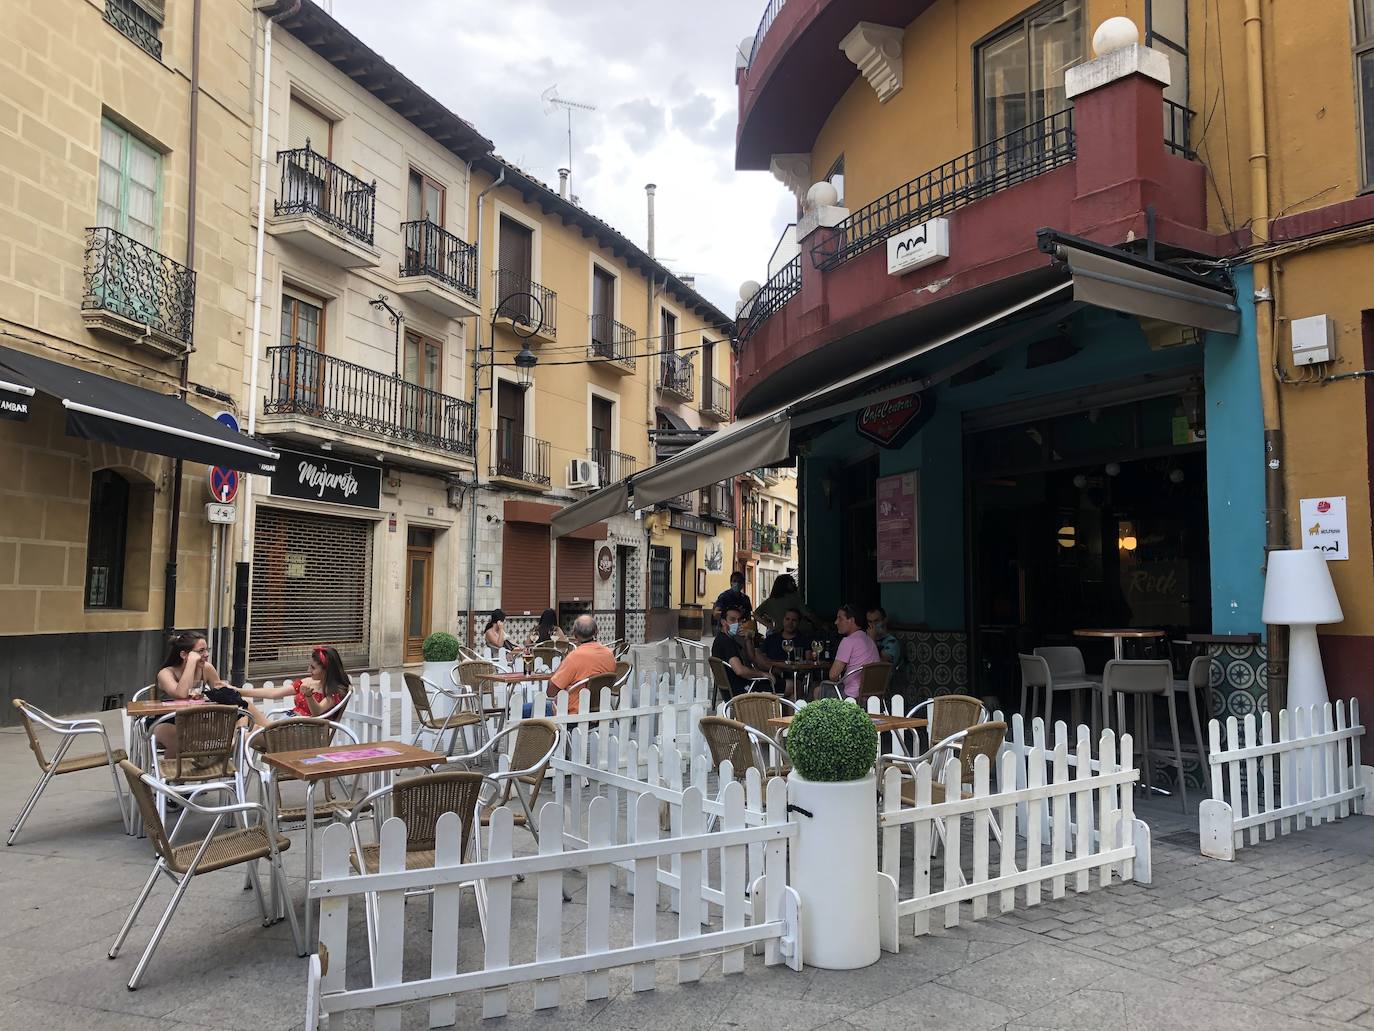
{"x":228,"y":419}
{"x":224,"y":484}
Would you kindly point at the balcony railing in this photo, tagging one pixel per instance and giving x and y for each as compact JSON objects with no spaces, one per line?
{"x":1021,"y":155}
{"x":526,"y":302}
{"x":313,"y":185}
{"x":612,"y":341}
{"x":773,"y":295}
{"x":430,"y":250}
{"x":675,"y":375}
{"x":770,"y":15}
{"x":680,"y":503}
{"x":715,"y":398}
{"x":1178,"y":123}
{"x":518,"y":457}
{"x":717,"y":502}
{"x":307,"y":382}
{"x":136,"y":23}
{"x":134,"y":281}
{"x":613,"y":465}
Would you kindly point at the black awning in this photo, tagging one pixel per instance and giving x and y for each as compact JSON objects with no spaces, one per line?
{"x":100,"y":408}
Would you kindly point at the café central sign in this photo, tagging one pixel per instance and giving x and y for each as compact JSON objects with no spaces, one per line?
{"x":917,"y":247}
{"x":893,"y":422}
{"x":316,"y":478}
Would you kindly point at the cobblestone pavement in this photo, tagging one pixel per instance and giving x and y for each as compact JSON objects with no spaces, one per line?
{"x":1280,"y":939}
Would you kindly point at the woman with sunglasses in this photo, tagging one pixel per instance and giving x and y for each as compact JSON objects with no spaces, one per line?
{"x":314,"y":695}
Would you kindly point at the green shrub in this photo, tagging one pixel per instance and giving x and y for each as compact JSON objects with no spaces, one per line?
{"x":440,"y":647}
{"x":832,"y":741}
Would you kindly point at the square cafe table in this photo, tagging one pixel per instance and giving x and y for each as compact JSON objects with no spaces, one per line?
{"x":882,"y":723}
{"x":313,"y":766}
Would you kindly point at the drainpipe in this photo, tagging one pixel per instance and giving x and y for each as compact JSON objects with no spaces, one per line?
{"x":1275,"y":499}
{"x":169,"y":581}
{"x":238,"y":661}
{"x":650,"y":415}
{"x":476,"y":409}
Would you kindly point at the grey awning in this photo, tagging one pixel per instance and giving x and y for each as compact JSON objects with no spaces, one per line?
{"x":1121,"y":281}
{"x":763,"y":440}
{"x":594,"y":508}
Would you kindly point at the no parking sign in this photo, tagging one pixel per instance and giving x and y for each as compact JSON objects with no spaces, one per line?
{"x":224,"y":484}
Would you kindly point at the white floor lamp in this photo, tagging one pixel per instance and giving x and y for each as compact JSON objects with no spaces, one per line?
{"x":1299,"y":594}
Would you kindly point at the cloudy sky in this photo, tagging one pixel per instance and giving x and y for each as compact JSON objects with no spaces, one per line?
{"x":662,"y":77}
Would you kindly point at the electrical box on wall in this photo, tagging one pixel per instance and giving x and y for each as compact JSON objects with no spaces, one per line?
{"x":1314,"y":340}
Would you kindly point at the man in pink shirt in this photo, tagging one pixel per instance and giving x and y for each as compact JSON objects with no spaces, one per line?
{"x":855,"y":651}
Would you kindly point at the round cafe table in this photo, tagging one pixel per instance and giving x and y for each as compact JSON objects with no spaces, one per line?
{"x":1118,"y":636}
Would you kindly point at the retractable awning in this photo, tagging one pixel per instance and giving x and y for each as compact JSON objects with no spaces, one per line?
{"x":100,"y":408}
{"x":594,"y":508}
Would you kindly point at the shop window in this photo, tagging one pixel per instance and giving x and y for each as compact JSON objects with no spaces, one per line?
{"x":1364,"y":76}
{"x":1020,"y":70}
{"x":118,"y":541}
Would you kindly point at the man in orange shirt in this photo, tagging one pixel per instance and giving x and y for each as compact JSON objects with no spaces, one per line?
{"x":587,"y":659}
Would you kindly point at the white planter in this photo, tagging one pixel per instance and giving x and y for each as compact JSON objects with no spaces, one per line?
{"x":835,"y":870}
{"x":437,"y":673}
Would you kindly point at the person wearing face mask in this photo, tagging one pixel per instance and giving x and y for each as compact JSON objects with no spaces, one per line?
{"x":888,"y":646}
{"x":729,"y":648}
{"x":735,"y":596}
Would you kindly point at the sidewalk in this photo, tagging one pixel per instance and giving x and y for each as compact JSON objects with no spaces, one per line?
{"x":1279,"y":940}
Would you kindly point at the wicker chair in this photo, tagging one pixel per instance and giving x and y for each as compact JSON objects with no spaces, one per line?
{"x":947,"y":714}
{"x":720,"y":682}
{"x":547,"y":653}
{"x":739,"y":743}
{"x":536,"y":742}
{"x":982,"y":739}
{"x":468,"y":677}
{"x":595,"y":684}
{"x":216,"y":851}
{"x":754,"y":710}
{"x":462,"y":713}
{"x":296,"y":735}
{"x":564,"y":647}
{"x":334,"y":712}
{"x":419,"y":802}
{"x":59,"y":765}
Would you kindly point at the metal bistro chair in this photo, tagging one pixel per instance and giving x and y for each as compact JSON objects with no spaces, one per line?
{"x":334,"y":712}
{"x":1144,"y":679}
{"x":59,"y":765}
{"x":720,"y":682}
{"x":468,"y":677}
{"x":546,"y":653}
{"x":982,"y":739}
{"x":216,"y":851}
{"x":207,"y":743}
{"x":874,"y":678}
{"x":754,"y":710}
{"x":948,"y":714}
{"x":295,"y":735}
{"x":536,"y":741}
{"x":739,"y":743}
{"x":463,"y":712}
{"x":595,"y":684}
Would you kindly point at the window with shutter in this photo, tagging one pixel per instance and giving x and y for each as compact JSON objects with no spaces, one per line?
{"x":576,"y":570}
{"x":525,"y":568}
{"x":306,"y":125}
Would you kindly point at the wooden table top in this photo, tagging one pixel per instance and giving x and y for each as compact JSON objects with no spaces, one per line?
{"x":315,"y":764}
{"x":515,"y":678}
{"x":1119,"y":633}
{"x":801,"y":666}
{"x":881,"y":723}
{"x":144,"y":707}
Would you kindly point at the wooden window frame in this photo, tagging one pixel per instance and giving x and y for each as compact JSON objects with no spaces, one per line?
{"x":427,"y":180}
{"x":1023,"y":21}
{"x":128,"y":140}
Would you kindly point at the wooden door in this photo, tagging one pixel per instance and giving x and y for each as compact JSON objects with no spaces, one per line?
{"x":516,"y":257}
{"x":602,"y":414}
{"x":603,"y":312}
{"x":419,"y":590}
{"x":510,"y":429}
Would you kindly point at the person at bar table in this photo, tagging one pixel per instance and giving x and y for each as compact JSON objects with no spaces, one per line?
{"x":728,"y":649}
{"x":774,"y":650}
{"x":856,"y":650}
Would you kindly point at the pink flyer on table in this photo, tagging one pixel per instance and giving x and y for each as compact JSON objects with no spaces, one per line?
{"x":356,"y":754}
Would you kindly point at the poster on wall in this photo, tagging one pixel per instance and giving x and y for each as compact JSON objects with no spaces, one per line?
{"x":1324,"y":527}
{"x":898,"y":554}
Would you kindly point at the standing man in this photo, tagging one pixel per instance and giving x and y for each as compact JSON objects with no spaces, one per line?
{"x":728,"y":648}
{"x":734,"y":596}
{"x":856,"y":651}
{"x":588,"y":658}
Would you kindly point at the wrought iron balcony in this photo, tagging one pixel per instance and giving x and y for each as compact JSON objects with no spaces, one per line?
{"x":612,"y":343}
{"x":718,"y":502}
{"x":675,"y":375}
{"x":515,"y":456}
{"x":135,"y":23}
{"x":132,"y":291}
{"x":1021,"y":155}
{"x":526,"y":303}
{"x":715,"y":398}
{"x":613,"y":465}
{"x":780,"y":289}
{"x":786,"y":543}
{"x":680,"y":503}
{"x":1178,"y":123}
{"x":309,"y":383}
{"x":313,"y":185}
{"x":770,"y":15}
{"x":431,"y":250}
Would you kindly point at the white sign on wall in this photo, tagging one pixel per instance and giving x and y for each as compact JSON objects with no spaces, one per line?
{"x":918,"y":246}
{"x":1324,"y":528}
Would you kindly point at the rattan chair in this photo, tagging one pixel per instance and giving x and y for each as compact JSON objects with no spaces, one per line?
{"x":536,"y":742}
{"x":720,"y":682}
{"x":874,"y":679}
{"x":463,"y":710}
{"x":218,"y":850}
{"x":564,"y":647}
{"x":207,"y":742}
{"x":59,"y":765}
{"x":754,"y":710}
{"x":547,"y":653}
{"x":295,"y":735}
{"x":947,"y":714}
{"x":982,"y":739}
{"x":468,"y":677}
{"x":334,"y":712}
{"x":595,"y":685}
{"x":739,"y":743}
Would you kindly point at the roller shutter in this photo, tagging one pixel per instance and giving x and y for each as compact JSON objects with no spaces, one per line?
{"x":525,"y":568}
{"x":576,"y":570}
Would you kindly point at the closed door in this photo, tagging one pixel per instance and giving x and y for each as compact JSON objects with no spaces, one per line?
{"x":510,"y":429}
{"x":516,"y":252}
{"x":420,"y":402}
{"x":602,"y":413}
{"x":603,"y":312}
{"x":419,"y":590}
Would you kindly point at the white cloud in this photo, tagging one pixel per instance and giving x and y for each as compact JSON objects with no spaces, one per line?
{"x":662,"y":77}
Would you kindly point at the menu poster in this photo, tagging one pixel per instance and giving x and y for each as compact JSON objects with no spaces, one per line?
{"x":898,"y":559}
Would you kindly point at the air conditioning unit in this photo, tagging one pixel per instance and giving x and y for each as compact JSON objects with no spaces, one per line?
{"x":583,"y":474}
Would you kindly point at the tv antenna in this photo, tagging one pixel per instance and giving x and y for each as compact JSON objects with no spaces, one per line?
{"x":552,"y":102}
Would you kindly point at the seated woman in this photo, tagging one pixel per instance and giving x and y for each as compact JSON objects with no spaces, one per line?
{"x":548,"y":631}
{"x":186,"y":673}
{"x":314,"y":695}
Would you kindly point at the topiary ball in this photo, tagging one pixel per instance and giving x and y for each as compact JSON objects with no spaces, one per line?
{"x":440,"y":647}
{"x":831,"y":741}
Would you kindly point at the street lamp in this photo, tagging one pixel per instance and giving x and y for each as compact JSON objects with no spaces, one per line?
{"x":525,"y":362}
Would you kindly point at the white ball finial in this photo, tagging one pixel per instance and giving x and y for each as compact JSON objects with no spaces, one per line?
{"x":1115,"y":34}
{"x":748,"y":289}
{"x":822,"y":195}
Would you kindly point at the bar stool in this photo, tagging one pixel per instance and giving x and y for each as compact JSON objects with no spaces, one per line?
{"x":1037,"y":675}
{"x":1070,"y":674}
{"x":1199,"y":681}
{"x":1143,"y":679}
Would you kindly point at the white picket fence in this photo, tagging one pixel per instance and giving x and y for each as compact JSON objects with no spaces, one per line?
{"x":1310,"y":774}
{"x":1083,"y":814}
{"x":615,"y":937}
